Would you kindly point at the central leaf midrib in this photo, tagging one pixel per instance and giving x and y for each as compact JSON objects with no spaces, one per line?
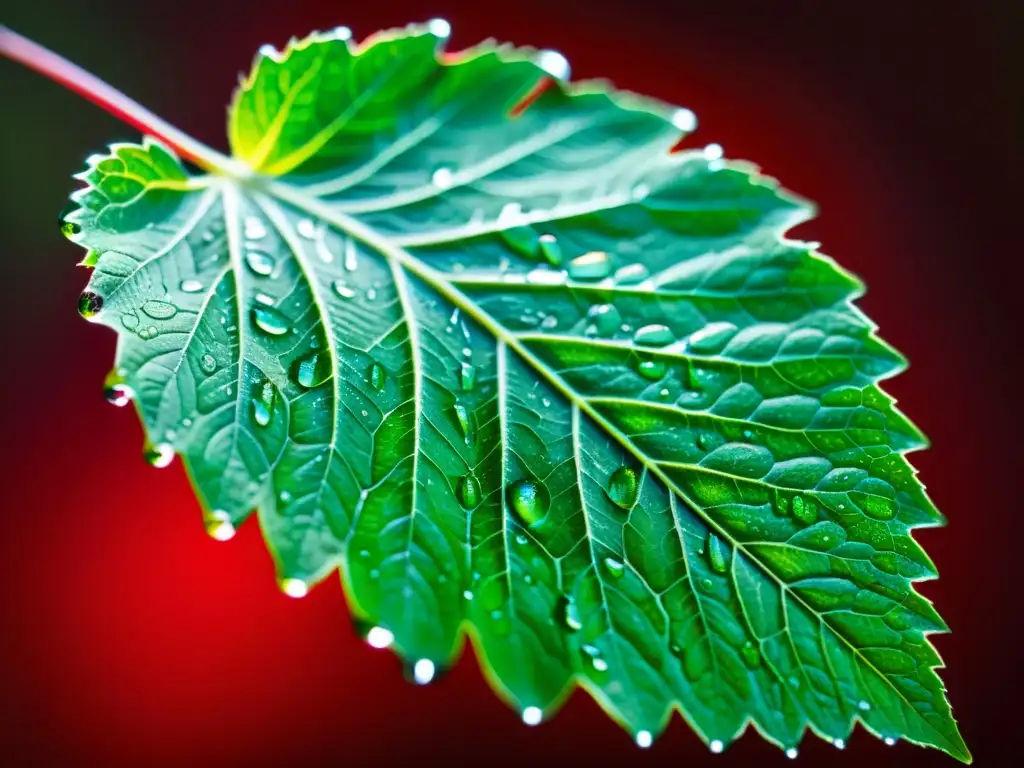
{"x":370,"y":237}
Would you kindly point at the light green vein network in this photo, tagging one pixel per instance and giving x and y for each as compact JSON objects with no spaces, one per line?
{"x":530,"y":376}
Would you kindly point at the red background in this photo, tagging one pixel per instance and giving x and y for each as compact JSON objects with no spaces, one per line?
{"x":129,"y":636}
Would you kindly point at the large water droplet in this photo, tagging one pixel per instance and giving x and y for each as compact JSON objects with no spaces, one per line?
{"x":716,"y":746}
{"x":343,"y":290}
{"x":208,"y":364}
{"x":623,"y":487}
{"x":159,"y":310}
{"x":260,"y":263}
{"x":116,"y":391}
{"x":294,"y":587}
{"x":522,"y":240}
{"x":219,"y":525}
{"x":717,"y":554}
{"x":312,"y":370}
{"x":377,"y":376}
{"x":791,"y":753}
{"x":89,"y":304}
{"x":380,"y":637}
{"x":468,"y":491}
{"x":654,"y":335}
{"x":191,"y":286}
{"x":466,"y":425}
{"x":263,"y":404}
{"x":551,"y":250}
{"x":590,"y":266}
{"x":631,"y":274}
{"x":423,"y":671}
{"x":159,"y":455}
{"x":644,"y":739}
{"x":306,"y":228}
{"x":604,"y":318}
{"x":532,"y":715}
{"x":529,"y":500}
{"x":269,"y":320}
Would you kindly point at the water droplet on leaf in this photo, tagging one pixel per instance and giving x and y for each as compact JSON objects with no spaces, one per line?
{"x":269,"y":320}
{"x":377,"y":376}
{"x":652,"y":369}
{"x":654,"y":335}
{"x":89,"y":304}
{"x":468,"y":491}
{"x":343,"y":290}
{"x":159,"y":455}
{"x":467,"y":376}
{"x":623,"y":487}
{"x":532,"y":715}
{"x":615,"y":568}
{"x":442,"y":178}
{"x":529,"y":500}
{"x":263,"y":405}
{"x":590,"y":266}
{"x":568,"y":614}
{"x":717,"y":554}
{"x":191,"y":286}
{"x":312,"y":370}
{"x":260,"y":263}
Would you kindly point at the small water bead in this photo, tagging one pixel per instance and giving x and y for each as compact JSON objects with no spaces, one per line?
{"x":468,"y":491}
{"x":465,"y":421}
{"x":554,"y":63}
{"x":549,"y":323}
{"x":130,"y":321}
{"x":254,"y":229}
{"x":863,"y":706}
{"x":644,"y":739}
{"x":631,"y":274}
{"x":190,"y":286}
{"x":219,"y":525}
{"x":343,"y":289}
{"x":294,"y":588}
{"x":839,"y":743}
{"x":312,"y":370}
{"x":159,"y":455}
{"x":605,"y":318}
{"x":208,"y":364}
{"x":684,"y":119}
{"x":889,"y":741}
{"x":522,"y":240}
{"x":468,"y":594}
{"x":751,"y":655}
{"x":623,"y":487}
{"x":590,"y":266}
{"x":717,"y":554}
{"x":706,"y":584}
{"x":306,"y":228}
{"x":529,"y":500}
{"x":615,"y":568}
{"x":467,"y":376}
{"x":351,"y":259}
{"x":568,"y":614}
{"x":532,"y":715}
{"x":550,"y":249}
{"x":268,"y":319}
{"x":716,"y":746}
{"x":423,"y":671}
{"x":118,"y":393}
{"x":791,"y":753}
{"x":379,"y":637}
{"x":69,"y":229}
{"x":377,"y":376}
{"x":595,"y":658}
{"x":804,"y":511}
{"x":653,"y":370}
{"x":260,"y":263}
{"x":654,"y":335}
{"x":545,"y":276}
{"x":371,"y":294}
{"x":89,"y":304}
{"x":263,"y":405}
{"x":159,"y":310}
{"x":442,"y":178}
{"x":147,"y":332}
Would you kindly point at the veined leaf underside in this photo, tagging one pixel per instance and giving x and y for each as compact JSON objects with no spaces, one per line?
{"x":531,"y":375}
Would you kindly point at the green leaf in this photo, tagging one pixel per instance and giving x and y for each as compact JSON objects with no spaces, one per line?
{"x":517,"y":370}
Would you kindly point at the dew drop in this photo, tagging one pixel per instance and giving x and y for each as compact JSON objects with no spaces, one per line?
{"x":804,"y":511}
{"x":605,"y":318}
{"x":439,"y":27}
{"x":343,"y":290}
{"x":839,"y":743}
{"x":69,"y":229}
{"x":465,"y":420}
{"x":219,"y":525}
{"x":713,"y":152}
{"x":130,"y":320}
{"x":652,"y":369}
{"x":468,"y":594}
{"x":208,"y":364}
{"x":615,"y":568}
{"x":551,"y":250}
{"x":285,"y":498}
{"x":631,"y":274}
{"x":684,"y":119}
{"x":716,"y":746}
{"x":532,"y":715}
{"x":590,"y":266}
{"x":312,"y":370}
{"x":468,"y":491}
{"x":751,"y":655}
{"x":254,"y":229}
{"x":306,"y":228}
{"x":529,"y":499}
{"x":863,"y":706}
{"x":377,"y":376}
{"x":522,"y":240}
{"x":442,"y":178}
{"x":260,"y":263}
{"x":889,"y":741}
{"x":706,"y":584}
{"x":791,"y":753}
{"x":467,"y":376}
{"x":568,"y":614}
{"x":545,"y":276}
{"x":423,"y":671}
{"x":190,"y":286}
{"x":379,"y":637}
{"x":717,"y":554}
{"x":263,"y":406}
{"x":159,"y":310}
{"x":116,"y":391}
{"x":89,"y":304}
{"x":159,"y":455}
{"x":654,"y":335}
{"x":351,"y":256}
{"x":294,"y":587}
{"x":644,"y":739}
{"x":269,"y":320}
{"x":554,"y":63}
{"x":623,"y":487}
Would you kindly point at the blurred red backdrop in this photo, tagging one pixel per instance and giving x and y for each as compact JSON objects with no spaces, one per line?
{"x":130,"y":637}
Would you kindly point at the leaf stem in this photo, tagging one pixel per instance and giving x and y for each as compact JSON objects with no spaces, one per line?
{"x":35,"y":56}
